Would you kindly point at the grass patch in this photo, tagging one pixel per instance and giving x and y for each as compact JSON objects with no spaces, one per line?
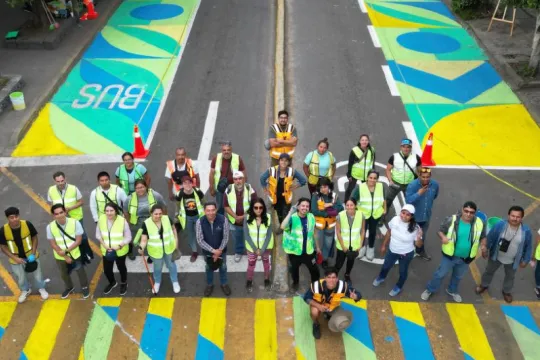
{"x":522,"y":69}
{"x":3,"y":82}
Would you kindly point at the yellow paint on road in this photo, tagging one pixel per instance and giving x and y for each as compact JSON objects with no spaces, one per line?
{"x":6,"y":312}
{"x":265,"y":331}
{"x":212,"y":322}
{"x":408,"y":311}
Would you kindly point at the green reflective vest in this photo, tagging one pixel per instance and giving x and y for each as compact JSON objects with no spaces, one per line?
{"x":69,"y":199}
{"x":401,"y":172}
{"x":235,"y":165}
{"x":133,"y":206}
{"x":64,"y":241}
{"x":537,"y":254}
{"x":156,"y":246}
{"x":371,"y":204}
{"x":231,"y":198}
{"x":258,"y":235}
{"x":114,"y":236}
{"x":351,"y":234}
{"x":293,"y":237}
{"x":182,"y":209}
{"x":101,"y":200}
{"x":361,"y":168}
{"x":448,"y":249}
{"x":123,"y":176}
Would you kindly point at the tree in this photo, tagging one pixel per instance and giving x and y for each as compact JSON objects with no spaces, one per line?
{"x":530,"y":4}
{"x":39,"y":19}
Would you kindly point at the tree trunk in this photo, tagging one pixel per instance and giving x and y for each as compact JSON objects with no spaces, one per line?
{"x":40,"y":20}
{"x":535,"y":54}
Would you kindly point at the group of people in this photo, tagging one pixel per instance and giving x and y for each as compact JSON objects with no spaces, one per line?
{"x":132,"y":218}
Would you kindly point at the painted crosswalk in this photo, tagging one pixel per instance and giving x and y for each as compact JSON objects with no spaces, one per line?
{"x":218,"y":328}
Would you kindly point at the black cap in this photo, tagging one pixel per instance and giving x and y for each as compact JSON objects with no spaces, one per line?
{"x":11,"y":211}
{"x":285,"y":156}
{"x":178,"y":176}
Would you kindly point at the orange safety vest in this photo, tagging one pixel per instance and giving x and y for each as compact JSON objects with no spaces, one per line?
{"x":282,"y":135}
{"x":325,"y":222}
{"x":287,"y":183}
{"x":189,"y":168}
{"x":319,"y":289}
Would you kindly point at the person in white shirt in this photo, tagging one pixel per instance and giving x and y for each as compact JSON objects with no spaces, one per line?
{"x":106,"y":193}
{"x":403,"y":235}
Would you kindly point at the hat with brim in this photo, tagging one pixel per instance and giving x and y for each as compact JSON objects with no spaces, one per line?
{"x":340,"y":320}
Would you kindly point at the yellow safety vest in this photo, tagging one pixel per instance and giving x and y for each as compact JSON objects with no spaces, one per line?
{"x":155,"y":245}
{"x":537,"y":254}
{"x":371,"y":204}
{"x":182,"y":210}
{"x":401,"y":173}
{"x":319,"y":290}
{"x":231,"y":198}
{"x":282,"y":135}
{"x":361,"y":168}
{"x":235,"y":165}
{"x":449,"y":248}
{"x":314,"y":176}
{"x":189,"y":168}
{"x":123,"y":176}
{"x":287,"y":183}
{"x":293,"y":237}
{"x":69,"y":199}
{"x":351,"y":234}
{"x":113,"y":236}
{"x":101,"y":200}
{"x":63,"y":241}
{"x":133,"y":206}
{"x":25,"y":237}
{"x":258,"y":235}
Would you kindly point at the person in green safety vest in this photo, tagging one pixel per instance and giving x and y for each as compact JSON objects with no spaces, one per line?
{"x":361,"y":161}
{"x":190,"y":209}
{"x":130,"y":171}
{"x":350,"y":224}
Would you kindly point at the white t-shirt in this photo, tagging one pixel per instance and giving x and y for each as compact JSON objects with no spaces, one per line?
{"x":181,"y":168}
{"x":401,"y":240}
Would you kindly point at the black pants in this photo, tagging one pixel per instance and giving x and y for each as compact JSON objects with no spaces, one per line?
{"x":309,"y":261}
{"x":120,"y":264}
{"x":340,"y":260}
{"x":371,"y":226}
{"x":350,"y":187}
{"x":282,"y":209}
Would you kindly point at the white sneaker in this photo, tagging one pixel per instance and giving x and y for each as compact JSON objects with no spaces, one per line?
{"x":362,"y":252}
{"x":457,"y":298}
{"x":370,"y":253}
{"x":176,"y":287}
{"x":44,"y":294}
{"x":156,"y":287}
{"x":237,"y":258}
{"x":425,"y":295}
{"x":24,"y":295}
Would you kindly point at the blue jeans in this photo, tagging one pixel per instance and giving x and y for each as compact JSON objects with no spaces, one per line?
{"x":22,"y":279}
{"x":424,"y":225}
{"x":237,"y":232}
{"x":537,"y":274}
{"x":326,"y":238}
{"x":222,"y":273}
{"x":158,"y":266}
{"x":219,"y":202}
{"x":190,"y":230}
{"x":458,"y":267}
{"x":389,"y":261}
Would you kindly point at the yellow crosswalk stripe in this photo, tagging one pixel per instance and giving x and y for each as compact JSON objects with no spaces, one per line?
{"x":265,"y":330}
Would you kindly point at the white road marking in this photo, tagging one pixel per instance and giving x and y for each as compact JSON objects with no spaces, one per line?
{"x":374,"y":36}
{"x":411,"y":134}
{"x":203,"y":164}
{"x":390,"y":80}
{"x":362,"y":5}
{"x":59,"y":160}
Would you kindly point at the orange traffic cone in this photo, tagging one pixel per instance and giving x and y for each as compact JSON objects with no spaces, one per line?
{"x":140,"y":152}
{"x":91,"y":14}
{"x":427,"y":154}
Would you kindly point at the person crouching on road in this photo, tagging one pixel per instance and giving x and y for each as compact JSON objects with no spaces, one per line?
{"x":65,"y":236}
{"x":403,"y":234}
{"x":324,"y":297}
{"x":509,"y":244}
{"x":160,"y":238}
{"x":350,"y":233}
{"x":299,"y":241}
{"x":325,"y":206}
{"x":190,"y":209}
{"x":114,"y":236}
{"x":19,"y":242}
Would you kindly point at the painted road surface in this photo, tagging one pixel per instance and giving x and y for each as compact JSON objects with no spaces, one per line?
{"x":217,"y":328}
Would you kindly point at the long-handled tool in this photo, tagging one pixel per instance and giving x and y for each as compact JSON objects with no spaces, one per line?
{"x":149,"y":275}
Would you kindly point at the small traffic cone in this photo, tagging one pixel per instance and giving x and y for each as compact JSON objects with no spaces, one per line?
{"x":427,"y":154}
{"x":91,"y":14}
{"x":139,"y":152}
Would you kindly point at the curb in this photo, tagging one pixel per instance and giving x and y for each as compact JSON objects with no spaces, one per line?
{"x":15,"y":83}
{"x":49,"y":92}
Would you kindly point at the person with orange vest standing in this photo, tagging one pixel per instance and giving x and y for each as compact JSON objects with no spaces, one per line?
{"x":181,"y":162}
{"x":282,"y":138}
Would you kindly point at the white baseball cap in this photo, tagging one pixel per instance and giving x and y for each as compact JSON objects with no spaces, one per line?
{"x":409,"y":208}
{"x":238,"y":174}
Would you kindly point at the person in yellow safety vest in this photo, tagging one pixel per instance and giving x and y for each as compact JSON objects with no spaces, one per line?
{"x":350,"y":224}
{"x":222,"y":167}
{"x":278,"y":184}
{"x":190,"y":209}
{"x":137,"y":208}
{"x":130,"y":171}
{"x":371,"y":201}
{"x":236,"y":204}
{"x":361,"y":161}
{"x":402,"y":168}
{"x":259,"y":241}
{"x":161,"y":240}
{"x":106,"y":193}
{"x":319,"y":164}
{"x":282,"y":137}
{"x":114,"y":236}
{"x":181,"y":163}
{"x":324,"y":297}
{"x":19,"y":242}
{"x":461,"y":235}
{"x":535,"y":260}
{"x":299,"y":241}
{"x":325,"y":206}
{"x":65,"y":237}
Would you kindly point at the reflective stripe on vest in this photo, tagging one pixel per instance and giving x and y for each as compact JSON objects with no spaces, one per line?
{"x":401,"y":173}
{"x":62,"y":240}
{"x":155,"y":245}
{"x":231,"y":198}
{"x":25,"y":237}
{"x":282,"y":135}
{"x":319,"y":290}
{"x":101,"y":200}
{"x":293,"y":236}
{"x":114,"y":236}
{"x":351,"y":234}
{"x":371,"y":204}
{"x":133,"y":205}
{"x":189,"y":168}
{"x":449,"y":248}
{"x":287,"y":183}
{"x":69,"y":199}
{"x":313,"y":177}
{"x":182,"y":209}
{"x":258,"y":235}
{"x":123,"y":176}
{"x":361,"y":168}
{"x":235,"y":165}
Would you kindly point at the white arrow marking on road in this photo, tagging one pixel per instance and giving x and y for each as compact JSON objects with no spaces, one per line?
{"x":203,"y":162}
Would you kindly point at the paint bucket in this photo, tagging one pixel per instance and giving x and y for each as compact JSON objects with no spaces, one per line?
{"x":17,"y":99}
{"x":492,"y":221}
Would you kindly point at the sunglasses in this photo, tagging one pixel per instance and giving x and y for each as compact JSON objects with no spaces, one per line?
{"x":470,"y":212}
{"x":258,"y":207}
{"x":425,"y":171}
